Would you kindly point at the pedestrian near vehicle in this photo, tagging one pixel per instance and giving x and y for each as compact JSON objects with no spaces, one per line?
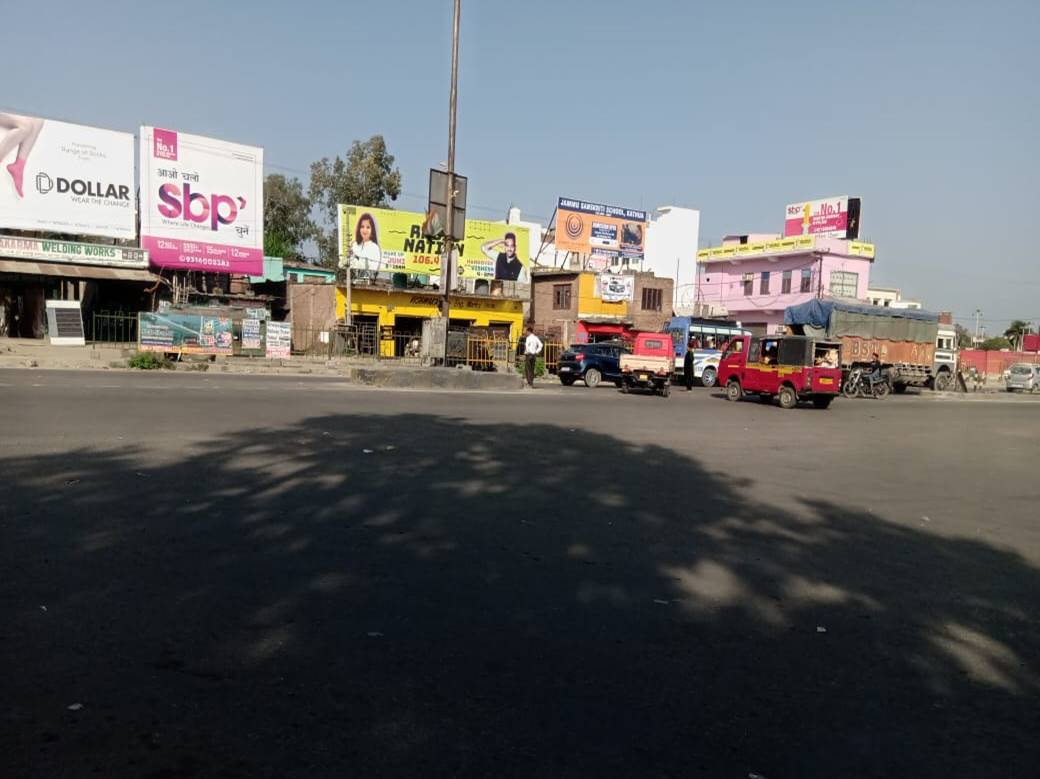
{"x":532,"y":348}
{"x":687,"y":365}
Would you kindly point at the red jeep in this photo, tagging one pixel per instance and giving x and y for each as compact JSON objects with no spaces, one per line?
{"x":793,"y":367}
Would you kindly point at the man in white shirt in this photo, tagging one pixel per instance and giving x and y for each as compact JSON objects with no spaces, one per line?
{"x":532,"y":348}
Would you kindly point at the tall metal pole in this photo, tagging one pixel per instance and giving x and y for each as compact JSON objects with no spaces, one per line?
{"x":975,"y":341}
{"x":450,"y":220}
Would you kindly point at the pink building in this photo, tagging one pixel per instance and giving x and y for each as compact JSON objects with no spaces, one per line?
{"x":753,"y":281}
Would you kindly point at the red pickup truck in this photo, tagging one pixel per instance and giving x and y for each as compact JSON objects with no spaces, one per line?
{"x":791,"y":367}
{"x":650,"y":364}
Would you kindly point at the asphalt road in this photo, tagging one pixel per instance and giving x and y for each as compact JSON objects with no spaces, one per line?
{"x":234,"y":576}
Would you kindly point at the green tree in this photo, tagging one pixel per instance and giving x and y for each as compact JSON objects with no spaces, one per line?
{"x":1015,"y":331}
{"x":367,"y":177}
{"x":995,"y":344}
{"x":963,"y":337}
{"x":287,"y":217}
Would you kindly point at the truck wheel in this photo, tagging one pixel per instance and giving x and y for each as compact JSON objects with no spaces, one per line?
{"x":708,"y":377}
{"x":788,"y":398}
{"x":822,"y":401}
{"x":943,"y":381}
{"x":592,"y":378}
{"x":733,"y":391}
{"x":899,"y":389}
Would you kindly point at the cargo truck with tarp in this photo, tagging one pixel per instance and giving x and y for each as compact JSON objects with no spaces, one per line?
{"x":904,"y":339}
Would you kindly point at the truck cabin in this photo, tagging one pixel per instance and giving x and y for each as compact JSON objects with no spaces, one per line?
{"x":653,"y":345}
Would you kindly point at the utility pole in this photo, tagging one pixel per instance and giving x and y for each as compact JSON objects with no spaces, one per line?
{"x":975,"y":341}
{"x":450,"y":219}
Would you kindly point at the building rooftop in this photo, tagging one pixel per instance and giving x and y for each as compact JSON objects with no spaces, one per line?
{"x":782,"y":247}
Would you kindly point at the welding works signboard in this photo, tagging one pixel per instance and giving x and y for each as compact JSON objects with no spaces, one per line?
{"x":47,"y":250}
{"x":66,"y":178}
{"x":202,"y":203}
{"x":593,"y":228}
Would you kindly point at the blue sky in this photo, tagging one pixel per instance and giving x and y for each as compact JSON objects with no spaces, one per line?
{"x":928,"y":110}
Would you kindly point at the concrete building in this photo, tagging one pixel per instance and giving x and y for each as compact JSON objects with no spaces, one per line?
{"x":754,"y":281}
{"x":891,"y":297}
{"x":671,"y":252}
{"x":572,"y":306}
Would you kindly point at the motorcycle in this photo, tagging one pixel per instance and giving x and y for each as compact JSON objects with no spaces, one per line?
{"x":859,"y":384}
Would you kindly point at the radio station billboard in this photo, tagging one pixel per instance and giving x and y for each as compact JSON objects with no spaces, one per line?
{"x":381,"y":240}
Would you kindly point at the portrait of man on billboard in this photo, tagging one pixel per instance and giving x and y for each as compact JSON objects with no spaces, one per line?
{"x":508,"y":266}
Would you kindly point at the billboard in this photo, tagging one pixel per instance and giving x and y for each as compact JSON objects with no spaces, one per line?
{"x":185,"y":333}
{"x":279,"y":340}
{"x":202,"y":203}
{"x":834,"y":217}
{"x":66,"y":178}
{"x":606,"y":231}
{"x":613,"y":288}
{"x":380,"y":240}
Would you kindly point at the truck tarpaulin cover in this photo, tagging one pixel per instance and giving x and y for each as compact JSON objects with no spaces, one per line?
{"x":837,"y":319}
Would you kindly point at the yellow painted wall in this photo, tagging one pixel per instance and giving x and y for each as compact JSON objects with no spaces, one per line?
{"x":590,"y":305}
{"x":389,"y":305}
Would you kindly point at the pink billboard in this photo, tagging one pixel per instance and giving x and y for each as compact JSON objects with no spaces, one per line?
{"x":835,"y":217}
{"x":201,"y":203}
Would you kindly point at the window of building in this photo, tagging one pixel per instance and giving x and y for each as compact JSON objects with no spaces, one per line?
{"x":749,"y":281}
{"x":806,"y":281}
{"x":844,"y":283}
{"x":652,"y":299}
{"x":785,"y":282}
{"x":763,"y":284}
{"x":561,"y":296}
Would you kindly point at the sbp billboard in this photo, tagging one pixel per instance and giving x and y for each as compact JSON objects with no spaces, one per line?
{"x":836,"y":217}
{"x":379,"y":240}
{"x":593,"y":228}
{"x":202,"y":203}
{"x":66,"y":178}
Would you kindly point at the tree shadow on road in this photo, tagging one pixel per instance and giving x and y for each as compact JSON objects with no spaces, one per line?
{"x":415,"y":595}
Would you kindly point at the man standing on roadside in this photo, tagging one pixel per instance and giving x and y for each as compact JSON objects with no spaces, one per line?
{"x":688,"y":364}
{"x":532,"y":348}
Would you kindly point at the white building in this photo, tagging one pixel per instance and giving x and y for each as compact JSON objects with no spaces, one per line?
{"x":890,"y":297}
{"x":671,"y":252}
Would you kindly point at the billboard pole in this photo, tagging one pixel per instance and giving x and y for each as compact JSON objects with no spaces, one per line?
{"x":450,"y":216}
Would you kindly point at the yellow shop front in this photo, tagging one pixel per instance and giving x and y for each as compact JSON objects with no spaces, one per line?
{"x":397,"y":315}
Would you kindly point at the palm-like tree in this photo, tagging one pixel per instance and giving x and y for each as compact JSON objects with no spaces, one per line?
{"x":1015,"y":331}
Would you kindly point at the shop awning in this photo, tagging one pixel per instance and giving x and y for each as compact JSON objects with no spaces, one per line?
{"x":71,"y":271}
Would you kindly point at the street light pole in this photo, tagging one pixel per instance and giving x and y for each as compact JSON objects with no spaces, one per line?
{"x":450,"y":217}
{"x":978,"y":314}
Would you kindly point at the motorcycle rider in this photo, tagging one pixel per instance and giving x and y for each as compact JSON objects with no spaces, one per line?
{"x":875,"y":369}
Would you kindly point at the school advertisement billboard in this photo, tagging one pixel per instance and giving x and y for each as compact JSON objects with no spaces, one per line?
{"x":66,"y":178}
{"x":379,"y":240}
{"x":605,"y":231}
{"x":202,"y":203}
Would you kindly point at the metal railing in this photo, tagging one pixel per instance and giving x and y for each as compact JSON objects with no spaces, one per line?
{"x":113,"y":327}
{"x":551,"y":351}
